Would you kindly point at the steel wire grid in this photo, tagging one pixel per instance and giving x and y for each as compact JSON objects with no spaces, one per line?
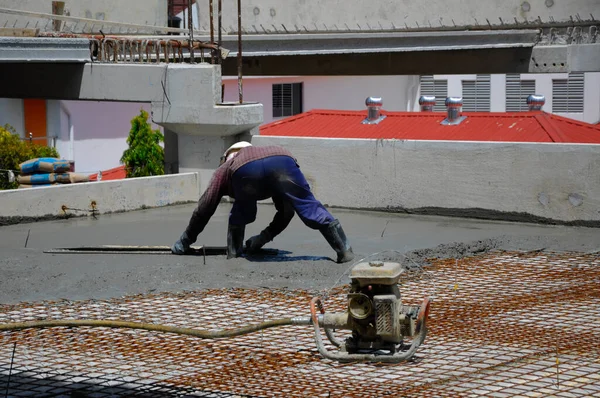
{"x":502,"y":324}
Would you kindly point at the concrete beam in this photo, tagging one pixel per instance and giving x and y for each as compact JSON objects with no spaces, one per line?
{"x":185,"y":98}
{"x":373,"y":43}
{"x":30,"y":49}
{"x":503,"y":60}
{"x":565,"y":58}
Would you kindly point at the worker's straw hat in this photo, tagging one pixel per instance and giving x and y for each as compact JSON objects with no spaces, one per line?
{"x":236,"y":147}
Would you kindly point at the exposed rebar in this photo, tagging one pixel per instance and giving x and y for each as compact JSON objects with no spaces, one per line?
{"x":219,"y":26}
{"x":239,"y":55}
{"x":191,"y":30}
{"x":212,"y":28}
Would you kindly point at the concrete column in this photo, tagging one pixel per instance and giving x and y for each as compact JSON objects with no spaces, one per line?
{"x":455,"y":87}
{"x":498,"y":93}
{"x":53,"y":121}
{"x":202,"y":154}
{"x":591,"y":98}
{"x":171,"y":152}
{"x":543,"y":86}
{"x":11,"y":112}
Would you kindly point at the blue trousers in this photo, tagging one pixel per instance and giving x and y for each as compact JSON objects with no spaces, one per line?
{"x":280,"y":178}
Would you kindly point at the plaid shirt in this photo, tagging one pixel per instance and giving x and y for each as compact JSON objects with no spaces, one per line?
{"x":220,"y":184}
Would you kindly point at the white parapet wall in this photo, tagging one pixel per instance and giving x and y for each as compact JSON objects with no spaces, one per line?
{"x":108,"y":197}
{"x":508,"y":181}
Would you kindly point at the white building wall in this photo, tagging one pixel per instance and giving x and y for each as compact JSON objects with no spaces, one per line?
{"x":11,"y":112}
{"x":93,"y":134}
{"x":498,"y":88}
{"x":591,"y":103}
{"x":400,"y":93}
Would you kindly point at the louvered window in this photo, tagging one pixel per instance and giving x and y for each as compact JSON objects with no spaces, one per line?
{"x":436,"y":87}
{"x":567,"y":94}
{"x":517,"y":91}
{"x":476,"y":94}
{"x":287,"y":99}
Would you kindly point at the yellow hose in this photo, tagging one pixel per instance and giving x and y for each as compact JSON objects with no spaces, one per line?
{"x":203,"y":334}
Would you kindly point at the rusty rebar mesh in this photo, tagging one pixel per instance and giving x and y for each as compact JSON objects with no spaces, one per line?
{"x":502,"y":324}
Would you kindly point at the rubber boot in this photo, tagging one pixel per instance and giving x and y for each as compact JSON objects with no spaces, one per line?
{"x":235,"y":240}
{"x":335,"y":236}
{"x":182,"y":246}
{"x":256,"y":242}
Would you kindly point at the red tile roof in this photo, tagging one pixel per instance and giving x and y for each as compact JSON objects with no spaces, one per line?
{"x":536,"y":126}
{"x":117,"y":173}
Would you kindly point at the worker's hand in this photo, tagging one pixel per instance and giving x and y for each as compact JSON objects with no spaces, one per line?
{"x":253,"y":244}
{"x":182,"y":245}
{"x":256,"y":242}
{"x":178,"y":248}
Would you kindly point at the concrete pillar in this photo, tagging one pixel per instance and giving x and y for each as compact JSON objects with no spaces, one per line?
{"x":543,"y":86}
{"x":11,"y":112}
{"x":591,"y":98}
{"x":201,"y":154}
{"x":171,"y":152}
{"x":498,"y":93}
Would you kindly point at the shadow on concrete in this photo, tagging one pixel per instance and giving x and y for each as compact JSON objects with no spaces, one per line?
{"x":279,"y":256}
{"x":43,"y":385}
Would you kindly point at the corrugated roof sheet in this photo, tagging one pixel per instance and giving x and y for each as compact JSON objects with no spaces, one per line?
{"x":116,"y":173}
{"x":536,"y":126}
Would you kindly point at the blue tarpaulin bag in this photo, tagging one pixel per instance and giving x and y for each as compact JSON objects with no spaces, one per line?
{"x":45,"y":165}
{"x":37,"y":179}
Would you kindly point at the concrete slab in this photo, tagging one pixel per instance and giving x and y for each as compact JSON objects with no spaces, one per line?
{"x":30,"y":275}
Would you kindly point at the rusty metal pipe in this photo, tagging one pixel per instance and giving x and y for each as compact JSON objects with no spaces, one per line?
{"x":191,"y":27}
{"x":239,"y":56}
{"x":212,"y":28}
{"x":220,"y":35}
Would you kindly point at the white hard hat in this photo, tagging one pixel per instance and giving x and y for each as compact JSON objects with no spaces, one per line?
{"x":236,"y":147}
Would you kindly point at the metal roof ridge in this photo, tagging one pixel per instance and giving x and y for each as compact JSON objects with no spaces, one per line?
{"x":553,"y":131}
{"x":575,"y":122}
{"x":286,"y":120}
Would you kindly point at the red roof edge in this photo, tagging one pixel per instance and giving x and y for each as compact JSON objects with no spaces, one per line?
{"x":116,"y":173}
{"x":289,"y":119}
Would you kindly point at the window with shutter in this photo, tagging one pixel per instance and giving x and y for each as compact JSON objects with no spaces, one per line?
{"x":476,"y":94}
{"x":517,"y":91}
{"x":567,"y":94}
{"x":436,"y":87}
{"x":287,"y":99}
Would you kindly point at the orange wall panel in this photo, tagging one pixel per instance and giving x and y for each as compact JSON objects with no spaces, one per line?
{"x":35,"y":119}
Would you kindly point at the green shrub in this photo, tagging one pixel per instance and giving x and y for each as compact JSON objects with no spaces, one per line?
{"x":145,"y":156}
{"x":14,"y":151}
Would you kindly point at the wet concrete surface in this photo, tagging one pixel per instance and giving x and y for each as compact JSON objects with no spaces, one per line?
{"x":28,"y":274}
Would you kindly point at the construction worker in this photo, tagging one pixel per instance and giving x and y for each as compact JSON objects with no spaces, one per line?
{"x":249,"y":174}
